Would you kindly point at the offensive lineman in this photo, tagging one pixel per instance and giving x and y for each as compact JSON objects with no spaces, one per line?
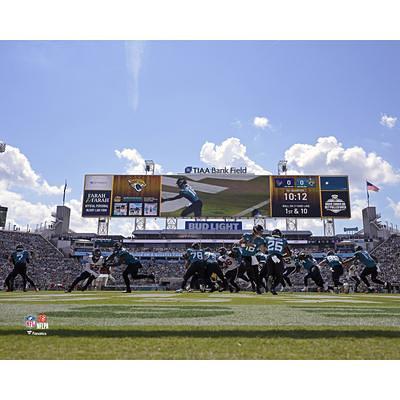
{"x":195,"y":265}
{"x":187,"y":192}
{"x":212,"y":267}
{"x":90,"y":271}
{"x":20,"y":259}
{"x":251,"y":244}
{"x":121,"y":256}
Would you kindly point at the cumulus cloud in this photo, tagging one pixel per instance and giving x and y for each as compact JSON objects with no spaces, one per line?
{"x":16,"y":170}
{"x":232,"y":153}
{"x":135,"y":161}
{"x":388,"y":121}
{"x":261,"y":122}
{"x":329,"y":156}
{"x":22,"y":212}
{"x":134,"y":51}
{"x":395,"y":206}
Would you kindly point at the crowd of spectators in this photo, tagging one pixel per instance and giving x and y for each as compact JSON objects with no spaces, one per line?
{"x":388,"y":255}
{"x":48,"y":268}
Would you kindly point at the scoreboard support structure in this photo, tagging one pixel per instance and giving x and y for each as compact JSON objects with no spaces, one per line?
{"x":260,"y":221}
{"x":329,"y":227}
{"x":291,"y":223}
{"x":102,"y":226}
{"x":140,"y":224}
{"x":171,"y":223}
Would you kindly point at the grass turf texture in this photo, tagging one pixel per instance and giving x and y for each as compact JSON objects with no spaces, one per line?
{"x":165,"y":325}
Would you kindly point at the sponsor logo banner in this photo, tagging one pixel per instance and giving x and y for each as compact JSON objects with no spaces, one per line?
{"x":213,"y":226}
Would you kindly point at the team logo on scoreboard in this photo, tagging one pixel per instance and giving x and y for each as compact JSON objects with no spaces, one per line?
{"x":137,"y":184}
{"x":335,"y":205}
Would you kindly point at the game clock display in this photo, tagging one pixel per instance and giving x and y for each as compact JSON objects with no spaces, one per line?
{"x":295,"y":197}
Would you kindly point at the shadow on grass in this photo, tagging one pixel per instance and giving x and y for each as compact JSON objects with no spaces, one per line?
{"x":295,"y":333}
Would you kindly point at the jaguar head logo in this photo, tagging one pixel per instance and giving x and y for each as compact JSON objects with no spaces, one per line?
{"x":137,"y":184}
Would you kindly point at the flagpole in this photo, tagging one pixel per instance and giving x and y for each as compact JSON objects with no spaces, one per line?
{"x":65,"y":189}
{"x":366,"y":183}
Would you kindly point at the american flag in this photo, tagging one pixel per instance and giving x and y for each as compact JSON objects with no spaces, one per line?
{"x":372,"y":187}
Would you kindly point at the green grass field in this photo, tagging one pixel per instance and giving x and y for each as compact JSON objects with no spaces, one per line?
{"x":165,"y":325}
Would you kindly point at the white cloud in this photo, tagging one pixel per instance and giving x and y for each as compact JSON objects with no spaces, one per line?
{"x":329,"y":156}
{"x":134,"y":57}
{"x":261,"y":122}
{"x":229,"y":153}
{"x":388,"y":121}
{"x":395,"y":206}
{"x":135,"y":161}
{"x":16,"y":170}
{"x":78,"y":223}
{"x":22,"y":212}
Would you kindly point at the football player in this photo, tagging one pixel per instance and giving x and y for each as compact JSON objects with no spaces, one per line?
{"x":336,"y":267}
{"x":310,"y":265}
{"x":370,"y":267}
{"x":132,"y":264}
{"x":213,"y":267}
{"x":277,"y":249}
{"x":288,"y":270}
{"x":195,"y":265}
{"x":353,"y":275}
{"x":90,"y":271}
{"x":251,"y":244}
{"x":187,"y":192}
{"x":20,"y":260}
{"x":230,"y":262}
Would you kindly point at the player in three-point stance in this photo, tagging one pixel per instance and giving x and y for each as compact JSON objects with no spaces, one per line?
{"x":20,"y":259}
{"x":213,"y":267}
{"x":187,"y":192}
{"x":310,"y":265}
{"x":132,"y":264}
{"x":195,"y":265}
{"x":277,"y":249}
{"x":251,"y":244}
{"x":90,"y":271}
{"x":370,"y":267}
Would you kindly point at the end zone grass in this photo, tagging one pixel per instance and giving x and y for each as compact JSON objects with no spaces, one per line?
{"x":165,"y":325}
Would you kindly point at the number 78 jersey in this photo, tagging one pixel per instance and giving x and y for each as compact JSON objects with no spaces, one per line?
{"x":276,"y":245}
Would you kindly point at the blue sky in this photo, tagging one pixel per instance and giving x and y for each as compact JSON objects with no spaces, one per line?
{"x":67,"y":106}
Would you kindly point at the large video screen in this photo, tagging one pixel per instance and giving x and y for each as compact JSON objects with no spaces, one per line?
{"x":216,"y":196}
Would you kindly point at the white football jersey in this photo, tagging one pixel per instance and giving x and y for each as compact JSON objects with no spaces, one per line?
{"x":92,"y":266}
{"x":229,"y":263}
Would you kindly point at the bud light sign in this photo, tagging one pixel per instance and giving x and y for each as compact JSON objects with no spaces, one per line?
{"x":213,"y":226}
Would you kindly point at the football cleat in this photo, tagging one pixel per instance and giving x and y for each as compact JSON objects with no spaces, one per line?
{"x":179,"y":291}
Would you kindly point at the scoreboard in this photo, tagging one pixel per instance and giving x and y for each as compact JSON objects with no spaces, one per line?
{"x":309,"y":196}
{"x":215,"y":196}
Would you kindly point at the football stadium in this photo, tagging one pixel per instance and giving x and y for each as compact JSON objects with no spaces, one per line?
{"x":200,"y":200}
{"x":214,"y":283}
